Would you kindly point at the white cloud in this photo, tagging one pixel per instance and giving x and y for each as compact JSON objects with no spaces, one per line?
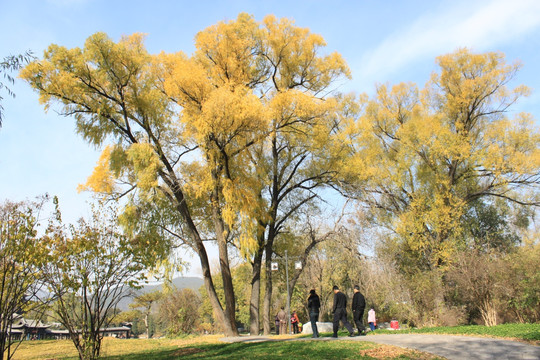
{"x":477,"y":25}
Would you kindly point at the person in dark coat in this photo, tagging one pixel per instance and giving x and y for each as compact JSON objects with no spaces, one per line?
{"x":340,"y":312}
{"x":358,"y":307}
{"x":314,"y":304}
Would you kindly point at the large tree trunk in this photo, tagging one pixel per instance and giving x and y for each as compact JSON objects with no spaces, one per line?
{"x":211,"y":290}
{"x":255,"y":299}
{"x":254,"y":323}
{"x":212,"y":294}
{"x":199,"y":247}
{"x":267,"y":302}
{"x":221,"y":232}
{"x":228,"y":288}
{"x":226,"y":275}
{"x":272,"y":232}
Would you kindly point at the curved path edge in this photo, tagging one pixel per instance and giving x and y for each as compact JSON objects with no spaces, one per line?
{"x":455,"y":347}
{"x":452,"y":347}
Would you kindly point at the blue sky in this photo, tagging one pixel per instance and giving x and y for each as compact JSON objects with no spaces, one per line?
{"x":382,"y":41}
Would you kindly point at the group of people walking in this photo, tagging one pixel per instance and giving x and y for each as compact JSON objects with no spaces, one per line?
{"x":339,"y":310}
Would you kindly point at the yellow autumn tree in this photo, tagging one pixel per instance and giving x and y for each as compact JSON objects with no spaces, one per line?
{"x":188,"y":137}
{"x":112,"y":90}
{"x":299,"y":156}
{"x":254,"y":97}
{"x":423,"y":158}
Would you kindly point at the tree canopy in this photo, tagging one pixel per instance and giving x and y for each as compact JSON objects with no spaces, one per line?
{"x":422,"y":158}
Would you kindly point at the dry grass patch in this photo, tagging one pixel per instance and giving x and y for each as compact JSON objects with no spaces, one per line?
{"x":187,"y":351}
{"x":393,"y":352}
{"x":64,"y":349}
{"x":45,"y":349}
{"x":194,"y":340}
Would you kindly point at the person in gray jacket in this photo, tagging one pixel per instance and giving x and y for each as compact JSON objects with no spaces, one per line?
{"x":282,"y":316}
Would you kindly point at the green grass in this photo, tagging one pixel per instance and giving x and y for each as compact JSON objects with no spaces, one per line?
{"x":266,"y":350}
{"x":527,"y":332}
{"x":208,"y":347}
{"x":279,"y":350}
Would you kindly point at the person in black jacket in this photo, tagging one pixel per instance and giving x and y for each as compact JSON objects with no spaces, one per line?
{"x":340,"y":312}
{"x":314,"y":304}
{"x":358,"y":307}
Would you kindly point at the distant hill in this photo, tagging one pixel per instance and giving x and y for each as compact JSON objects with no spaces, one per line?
{"x":193,"y":283}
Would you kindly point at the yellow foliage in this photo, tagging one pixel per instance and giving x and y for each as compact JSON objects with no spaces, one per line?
{"x":146,"y":165}
{"x":228,"y":119}
{"x":101,"y":180}
{"x":184,"y":79}
{"x":142,"y":159}
{"x":227,"y":50}
{"x":424,"y":156}
{"x":204,"y":123}
{"x":293,"y":51}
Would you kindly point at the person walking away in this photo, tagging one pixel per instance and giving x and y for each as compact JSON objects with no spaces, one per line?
{"x":340,"y":312}
{"x":276,"y":322}
{"x":294,"y":322}
{"x":372,"y":320}
{"x":282,"y":316}
{"x":314,"y":304}
{"x":358,"y":307}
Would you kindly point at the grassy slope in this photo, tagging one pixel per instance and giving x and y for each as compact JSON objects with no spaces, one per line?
{"x":209,"y":347}
{"x":205,"y":347}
